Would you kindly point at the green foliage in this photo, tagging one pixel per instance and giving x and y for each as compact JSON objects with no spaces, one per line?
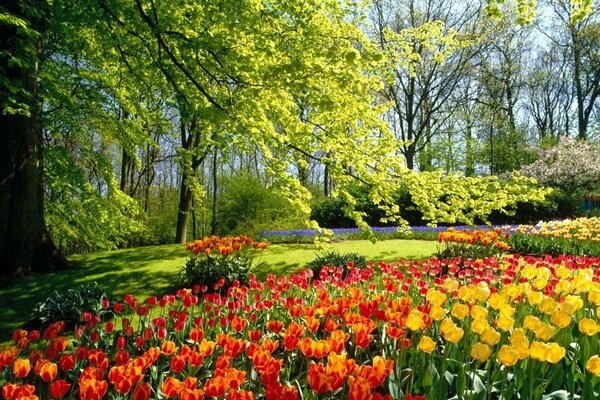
{"x":69,"y":305}
{"x":247,"y":206}
{"x":449,"y":250}
{"x":215,"y":271}
{"x":160,"y":220}
{"x":22,"y":24}
{"x":338,"y":260}
{"x":557,"y":205}
{"x":453,"y":198}
{"x":541,"y":245}
{"x":330,"y":211}
{"x":81,"y":216}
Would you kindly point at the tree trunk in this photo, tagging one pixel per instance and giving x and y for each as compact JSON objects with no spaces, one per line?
{"x":185,"y":202}
{"x":25,"y":245}
{"x":469,"y":157}
{"x":213,"y":220}
{"x":126,"y":169}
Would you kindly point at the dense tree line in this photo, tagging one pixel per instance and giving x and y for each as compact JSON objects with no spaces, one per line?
{"x":135,"y":122}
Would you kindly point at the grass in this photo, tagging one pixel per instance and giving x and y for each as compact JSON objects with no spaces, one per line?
{"x":154,"y":270}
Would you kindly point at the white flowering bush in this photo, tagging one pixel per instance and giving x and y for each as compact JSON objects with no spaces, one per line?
{"x":572,"y":166}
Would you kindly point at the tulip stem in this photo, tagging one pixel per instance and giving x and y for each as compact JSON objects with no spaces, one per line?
{"x":531,"y":377}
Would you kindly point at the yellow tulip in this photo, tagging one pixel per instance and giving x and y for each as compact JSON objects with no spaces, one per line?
{"x":495,"y":301}
{"x":426,"y":344}
{"x":534,"y":298}
{"x":482,"y":291}
{"x":481,"y":352}
{"x":453,"y":335}
{"x":563,"y":287}
{"x":571,"y":304}
{"x":508,"y":356}
{"x":478,"y":312}
{"x":459,"y":310}
{"x":490,"y":336}
{"x":555,"y":353}
{"x":437,"y":313}
{"x":436,"y":297}
{"x":593,"y":365}
{"x":479,"y":325}
{"x":544,"y":332}
{"x":594,"y":296}
{"x":414,"y":320}
{"x":538,"y":351}
{"x":532,"y":323}
{"x":548,"y":305}
{"x":451,"y":285}
{"x":560,"y":319}
{"x":588,"y":327}
{"x":505,"y":323}
{"x":563,"y":272}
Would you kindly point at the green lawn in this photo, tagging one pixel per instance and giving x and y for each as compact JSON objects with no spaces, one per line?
{"x":154,"y":270}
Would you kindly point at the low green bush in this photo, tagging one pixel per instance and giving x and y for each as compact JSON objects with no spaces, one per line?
{"x":215,"y":272}
{"x":69,"y":306}
{"x":217,"y":262}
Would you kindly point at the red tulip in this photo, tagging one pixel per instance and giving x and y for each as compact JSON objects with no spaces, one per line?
{"x":59,"y":388}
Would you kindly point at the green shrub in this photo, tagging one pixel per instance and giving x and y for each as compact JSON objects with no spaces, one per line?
{"x":335,"y":259}
{"x":216,"y":262}
{"x":215,"y":272}
{"x":69,"y":306}
{"x":329,"y":212}
{"x":247,"y":206}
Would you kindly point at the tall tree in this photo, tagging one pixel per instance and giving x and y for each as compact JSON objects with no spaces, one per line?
{"x":548,"y":94}
{"x":428,"y":48}
{"x":577,"y":31}
{"x":25,"y":244}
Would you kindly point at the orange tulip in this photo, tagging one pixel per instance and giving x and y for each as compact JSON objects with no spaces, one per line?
{"x":215,"y":387}
{"x":240,"y":395}
{"x":238,"y":324}
{"x":274,"y":326}
{"x":191,"y":394}
{"x":360,"y":388}
{"x":151,"y":355}
{"x":177,"y":363}
{"x":142,"y":391}
{"x":318,"y":378}
{"x":206,"y":347}
{"x":92,"y":389}
{"x":171,"y":387}
{"x":269,"y":345}
{"x":168,"y":347}
{"x":46,"y":370}
{"x":377,"y":373}
{"x":9,"y":390}
{"x":196,"y":334}
{"x":21,"y":368}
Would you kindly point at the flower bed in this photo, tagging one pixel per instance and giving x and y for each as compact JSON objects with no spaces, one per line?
{"x":580,"y":236}
{"x":484,"y":329}
{"x":381,"y":232}
{"x":471,"y":244}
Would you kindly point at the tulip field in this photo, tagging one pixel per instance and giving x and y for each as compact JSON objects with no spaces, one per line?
{"x":516,"y":327}
{"x":505,"y":326}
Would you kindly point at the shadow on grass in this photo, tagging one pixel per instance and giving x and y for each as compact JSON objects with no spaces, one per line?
{"x":113,"y":271}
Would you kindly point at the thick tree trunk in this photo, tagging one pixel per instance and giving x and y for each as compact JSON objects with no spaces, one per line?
{"x":25,"y":245}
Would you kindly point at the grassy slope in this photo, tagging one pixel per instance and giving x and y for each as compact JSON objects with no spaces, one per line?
{"x":154,"y":270}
